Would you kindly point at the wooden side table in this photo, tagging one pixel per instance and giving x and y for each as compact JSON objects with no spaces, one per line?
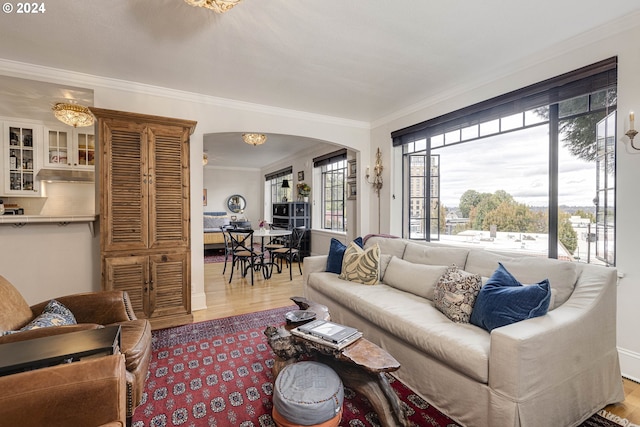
{"x":361,"y":365}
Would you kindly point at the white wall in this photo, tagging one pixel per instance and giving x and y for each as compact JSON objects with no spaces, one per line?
{"x":618,"y":39}
{"x":213,"y":115}
{"x":224,"y":182}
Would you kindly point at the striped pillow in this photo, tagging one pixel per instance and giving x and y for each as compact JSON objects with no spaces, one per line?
{"x":361,"y":266}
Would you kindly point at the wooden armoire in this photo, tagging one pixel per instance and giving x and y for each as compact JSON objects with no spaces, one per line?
{"x":144,"y":200}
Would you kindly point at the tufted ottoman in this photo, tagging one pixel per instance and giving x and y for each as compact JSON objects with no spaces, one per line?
{"x":307,"y":394}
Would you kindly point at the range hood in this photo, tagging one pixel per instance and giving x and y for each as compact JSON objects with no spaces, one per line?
{"x":65,"y":175}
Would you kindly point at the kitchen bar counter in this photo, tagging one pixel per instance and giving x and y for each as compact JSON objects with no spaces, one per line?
{"x":45,"y":219}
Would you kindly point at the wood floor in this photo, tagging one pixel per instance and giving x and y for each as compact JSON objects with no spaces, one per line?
{"x":239,"y":297}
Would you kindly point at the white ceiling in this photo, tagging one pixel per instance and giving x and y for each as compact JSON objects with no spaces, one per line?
{"x":356,"y":59}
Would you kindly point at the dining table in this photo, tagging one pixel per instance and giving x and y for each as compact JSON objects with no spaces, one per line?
{"x":263,"y":233}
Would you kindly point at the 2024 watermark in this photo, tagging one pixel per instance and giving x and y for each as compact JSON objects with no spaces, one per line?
{"x":24,"y":8}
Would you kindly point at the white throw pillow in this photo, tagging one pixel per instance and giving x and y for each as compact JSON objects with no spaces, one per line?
{"x":418,"y":279}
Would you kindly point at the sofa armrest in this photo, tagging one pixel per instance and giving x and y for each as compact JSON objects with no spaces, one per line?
{"x":91,"y":392}
{"x":538,"y":354}
{"x":312,"y":264}
{"x":104,"y":307}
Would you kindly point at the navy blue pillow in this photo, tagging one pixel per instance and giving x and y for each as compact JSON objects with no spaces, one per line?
{"x":503,"y":300}
{"x":336,"y":253}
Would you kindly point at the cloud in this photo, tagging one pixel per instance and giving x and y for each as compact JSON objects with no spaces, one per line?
{"x":517,"y":163}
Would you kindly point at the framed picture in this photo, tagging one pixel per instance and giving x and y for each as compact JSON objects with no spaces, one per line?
{"x":204,"y":197}
{"x":300,"y":175}
{"x":352,"y":190}
{"x":352,"y":169}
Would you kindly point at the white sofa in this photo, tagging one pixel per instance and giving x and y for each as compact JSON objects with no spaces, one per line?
{"x":553,"y":370}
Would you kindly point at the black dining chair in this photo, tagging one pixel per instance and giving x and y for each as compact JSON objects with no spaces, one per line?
{"x":244,"y":255}
{"x":227,"y":245}
{"x":291,"y":252}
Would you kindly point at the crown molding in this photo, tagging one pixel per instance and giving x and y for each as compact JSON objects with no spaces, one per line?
{"x":76,"y":79}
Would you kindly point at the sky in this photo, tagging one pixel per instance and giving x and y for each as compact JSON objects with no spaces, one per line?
{"x":517,"y":163}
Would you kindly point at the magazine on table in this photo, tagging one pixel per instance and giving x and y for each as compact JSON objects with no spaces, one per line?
{"x":328,"y":333}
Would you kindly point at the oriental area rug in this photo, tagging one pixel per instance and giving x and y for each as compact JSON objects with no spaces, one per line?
{"x":218,"y":374}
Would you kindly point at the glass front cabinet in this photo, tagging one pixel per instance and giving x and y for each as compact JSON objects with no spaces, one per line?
{"x":21,"y":142}
{"x":65,"y":147}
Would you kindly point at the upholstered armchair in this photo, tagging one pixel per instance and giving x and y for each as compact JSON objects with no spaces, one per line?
{"x":91,"y":310}
{"x":87,"y":393}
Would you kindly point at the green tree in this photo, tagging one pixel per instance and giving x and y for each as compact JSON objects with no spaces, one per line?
{"x":580,"y":132}
{"x":468,"y":201}
{"x":566,"y":234}
{"x":487,"y":203}
{"x":516,"y":217}
{"x":583,"y":214}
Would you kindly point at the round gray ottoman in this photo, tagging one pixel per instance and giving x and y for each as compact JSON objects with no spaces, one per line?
{"x":307,"y":394}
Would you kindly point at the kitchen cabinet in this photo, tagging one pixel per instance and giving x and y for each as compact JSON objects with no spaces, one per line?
{"x":66,"y":147}
{"x":143,"y":168}
{"x":20,"y":151}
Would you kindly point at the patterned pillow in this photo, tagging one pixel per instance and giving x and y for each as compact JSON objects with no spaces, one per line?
{"x":54,"y":314}
{"x":456,"y":293}
{"x":361,"y":266}
{"x":56,"y":307}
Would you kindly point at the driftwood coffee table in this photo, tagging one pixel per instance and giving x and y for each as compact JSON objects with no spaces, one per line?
{"x":361,"y":365}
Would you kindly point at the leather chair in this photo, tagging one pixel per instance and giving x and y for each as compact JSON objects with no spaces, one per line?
{"x":91,"y":310}
{"x":87,"y":393}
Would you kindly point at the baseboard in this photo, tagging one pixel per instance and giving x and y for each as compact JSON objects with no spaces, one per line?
{"x":629,"y":364}
{"x":198,"y":301}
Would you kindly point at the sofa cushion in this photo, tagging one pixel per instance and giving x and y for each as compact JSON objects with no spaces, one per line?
{"x":426,"y":254}
{"x":210,"y":221}
{"x":336,"y":253}
{"x":503,"y":300}
{"x":562,"y":275}
{"x":413,"y":319}
{"x":419,"y":279}
{"x":385,"y":259}
{"x":456,"y":292}
{"x":388,"y":246}
{"x":360,"y":265}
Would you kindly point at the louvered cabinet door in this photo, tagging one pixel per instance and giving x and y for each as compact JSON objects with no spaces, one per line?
{"x":124,"y":186}
{"x":169,"y":187}
{"x":170,"y":294}
{"x":130,"y":274}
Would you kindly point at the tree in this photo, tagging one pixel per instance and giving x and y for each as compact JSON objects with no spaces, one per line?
{"x":566,"y":234}
{"x":469,"y":200}
{"x":487,"y":203}
{"x":583,"y":214}
{"x":580,"y":132}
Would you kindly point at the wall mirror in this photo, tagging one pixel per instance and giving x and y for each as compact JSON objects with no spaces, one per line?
{"x":236,"y":203}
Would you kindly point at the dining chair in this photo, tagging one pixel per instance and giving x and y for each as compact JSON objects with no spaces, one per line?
{"x":291,"y":252}
{"x":227,"y":245}
{"x":276,"y":242}
{"x":244,"y":255}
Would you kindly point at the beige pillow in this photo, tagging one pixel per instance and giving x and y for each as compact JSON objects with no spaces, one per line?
{"x":361,"y":266}
{"x":418,"y":279}
{"x":456,"y":293}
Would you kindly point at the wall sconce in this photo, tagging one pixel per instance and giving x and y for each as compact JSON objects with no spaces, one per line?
{"x":377,"y":173}
{"x":631,"y":133}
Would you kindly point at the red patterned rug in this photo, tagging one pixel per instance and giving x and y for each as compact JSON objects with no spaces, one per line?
{"x":218,"y":374}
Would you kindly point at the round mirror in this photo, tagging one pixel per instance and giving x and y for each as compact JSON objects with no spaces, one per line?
{"x":236,"y":203}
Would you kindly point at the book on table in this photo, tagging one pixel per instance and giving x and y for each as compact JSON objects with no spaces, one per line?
{"x":328,"y":333}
